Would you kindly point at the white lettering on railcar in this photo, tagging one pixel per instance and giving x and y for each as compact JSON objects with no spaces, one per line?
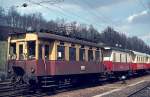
{"x":82,"y":68}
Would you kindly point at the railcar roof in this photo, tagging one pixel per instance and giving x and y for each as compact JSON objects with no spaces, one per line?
{"x":139,"y":53}
{"x":45,"y":35}
{"x":116,"y":49}
{"x":67,"y":39}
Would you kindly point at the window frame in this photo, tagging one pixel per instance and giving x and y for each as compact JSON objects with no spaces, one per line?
{"x":83,"y":54}
{"x":71,"y":57}
{"x":90,"y":58}
{"x":62,"y":54}
{"x":46,"y":52}
{"x":28,"y":50}
{"x":98,"y":58}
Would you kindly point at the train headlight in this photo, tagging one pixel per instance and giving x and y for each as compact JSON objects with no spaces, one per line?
{"x":32,"y":70}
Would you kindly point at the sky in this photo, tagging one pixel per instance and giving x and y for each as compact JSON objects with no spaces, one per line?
{"x":131,"y":17}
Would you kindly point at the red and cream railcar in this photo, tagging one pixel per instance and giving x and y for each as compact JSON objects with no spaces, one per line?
{"x":148,"y":62}
{"x":116,"y":60}
{"x":53,"y":57}
{"x":140,"y":61}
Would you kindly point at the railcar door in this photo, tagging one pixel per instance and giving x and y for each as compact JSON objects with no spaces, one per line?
{"x":46,"y":58}
{"x":43,"y":61}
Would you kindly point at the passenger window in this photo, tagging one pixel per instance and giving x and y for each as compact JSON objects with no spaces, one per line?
{"x":12,"y":48}
{"x":31,"y":49}
{"x":97,"y":56}
{"x":21,"y":56}
{"x":126,"y":58}
{"x":12,"y":51}
{"x":90,"y":55}
{"x":120,"y":57}
{"x":114,"y":57}
{"x":60,"y":53}
{"x":82,"y":54}
{"x":40,"y":51}
{"x":72,"y":54}
{"x":47,"y":52}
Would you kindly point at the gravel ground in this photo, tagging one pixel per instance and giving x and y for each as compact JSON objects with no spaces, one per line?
{"x":95,"y":90}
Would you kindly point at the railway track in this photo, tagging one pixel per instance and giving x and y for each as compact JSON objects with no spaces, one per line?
{"x":144,"y":92}
{"x":7,"y":89}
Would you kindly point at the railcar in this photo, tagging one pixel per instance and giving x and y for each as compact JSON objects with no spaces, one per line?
{"x":117,"y":61}
{"x":52,"y":60}
{"x":140,"y":62}
{"x":120,"y":62}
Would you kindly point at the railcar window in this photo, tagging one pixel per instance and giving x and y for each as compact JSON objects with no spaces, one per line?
{"x":12,"y":51}
{"x":107,"y":54}
{"x":21,"y":56}
{"x":31,"y":49}
{"x":60,"y":52}
{"x":12,"y":48}
{"x":47,"y":52}
{"x":114,"y":57}
{"x":139,"y":59}
{"x":120,"y":57}
{"x":82,"y":54}
{"x":40,"y":51}
{"x":97,"y":55}
{"x":90,"y":55}
{"x":72,"y":54}
{"x":146,"y":59}
{"x":126,"y":58}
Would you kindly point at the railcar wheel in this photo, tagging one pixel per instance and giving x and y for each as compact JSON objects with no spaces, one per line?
{"x":26,"y":79}
{"x":15,"y":80}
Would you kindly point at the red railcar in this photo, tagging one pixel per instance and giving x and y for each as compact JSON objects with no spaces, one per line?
{"x":140,"y":61}
{"x":122,"y":62}
{"x":46,"y":58}
{"x":116,"y":61}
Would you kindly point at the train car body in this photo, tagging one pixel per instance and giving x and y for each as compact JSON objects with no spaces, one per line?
{"x":140,"y":61}
{"x":124,"y":62}
{"x":116,"y":60}
{"x":48,"y":56}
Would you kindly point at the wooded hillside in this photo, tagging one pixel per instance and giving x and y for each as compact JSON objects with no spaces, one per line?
{"x":12,"y":21}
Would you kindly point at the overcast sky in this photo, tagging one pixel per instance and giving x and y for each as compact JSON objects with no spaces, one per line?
{"x":128,"y":16}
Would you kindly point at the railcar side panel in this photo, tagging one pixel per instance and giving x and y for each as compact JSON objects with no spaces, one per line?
{"x":117,"y":66}
{"x":76,"y":67}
